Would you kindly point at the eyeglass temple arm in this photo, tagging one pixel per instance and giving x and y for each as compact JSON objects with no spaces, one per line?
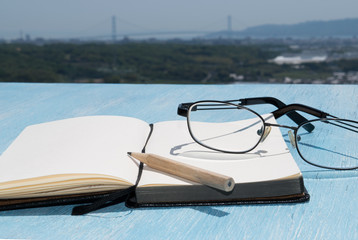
{"x":283,"y":109}
{"x":346,"y":126}
{"x":300,"y":107}
{"x":295,"y":116}
{"x":184,"y":107}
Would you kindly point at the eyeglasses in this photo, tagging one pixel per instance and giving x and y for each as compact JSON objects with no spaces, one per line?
{"x":230,"y":127}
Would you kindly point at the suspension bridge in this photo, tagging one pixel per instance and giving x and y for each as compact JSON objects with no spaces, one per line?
{"x":143,"y":32}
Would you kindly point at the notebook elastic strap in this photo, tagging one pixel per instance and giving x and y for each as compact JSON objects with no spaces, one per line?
{"x":111,"y":199}
{"x":115,"y":197}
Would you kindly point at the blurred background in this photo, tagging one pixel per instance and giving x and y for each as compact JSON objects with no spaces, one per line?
{"x":161,"y":41}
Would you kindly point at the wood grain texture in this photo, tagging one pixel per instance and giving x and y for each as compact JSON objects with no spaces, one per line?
{"x":330,"y":214}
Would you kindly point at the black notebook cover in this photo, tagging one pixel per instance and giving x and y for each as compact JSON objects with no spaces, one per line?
{"x":130,"y":201}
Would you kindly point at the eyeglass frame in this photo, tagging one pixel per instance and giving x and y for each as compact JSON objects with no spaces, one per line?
{"x":282,"y":109}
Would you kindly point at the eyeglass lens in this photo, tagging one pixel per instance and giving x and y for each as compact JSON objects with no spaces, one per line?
{"x":332,"y":143}
{"x":225,"y":127}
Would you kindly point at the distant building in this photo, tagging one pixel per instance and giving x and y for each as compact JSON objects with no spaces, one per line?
{"x":299,"y":59}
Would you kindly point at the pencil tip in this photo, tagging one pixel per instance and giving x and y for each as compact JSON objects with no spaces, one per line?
{"x":129,"y":153}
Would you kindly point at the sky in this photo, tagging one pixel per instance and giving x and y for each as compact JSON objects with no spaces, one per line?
{"x":81,"y":18}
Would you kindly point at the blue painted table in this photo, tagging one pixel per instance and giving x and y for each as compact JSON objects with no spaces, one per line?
{"x":330,"y":214}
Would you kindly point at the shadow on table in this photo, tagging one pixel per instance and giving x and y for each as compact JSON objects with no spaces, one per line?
{"x":62,"y":210}
{"x":208,"y":210}
{"x":118,"y":210}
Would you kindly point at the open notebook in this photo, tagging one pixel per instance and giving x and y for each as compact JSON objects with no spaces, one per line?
{"x":81,"y":158}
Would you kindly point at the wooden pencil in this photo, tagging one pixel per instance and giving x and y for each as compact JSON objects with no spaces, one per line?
{"x":186,"y":171}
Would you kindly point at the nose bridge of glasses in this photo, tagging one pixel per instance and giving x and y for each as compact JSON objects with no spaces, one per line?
{"x":291,"y":135}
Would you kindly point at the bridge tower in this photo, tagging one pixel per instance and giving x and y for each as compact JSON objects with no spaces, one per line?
{"x":114,"y":33}
{"x":229,"y":26}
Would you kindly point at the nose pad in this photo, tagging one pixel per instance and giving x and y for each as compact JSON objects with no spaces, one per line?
{"x":292,"y":139}
{"x":265,"y":133}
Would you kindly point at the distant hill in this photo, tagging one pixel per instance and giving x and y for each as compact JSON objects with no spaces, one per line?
{"x":333,"y":28}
